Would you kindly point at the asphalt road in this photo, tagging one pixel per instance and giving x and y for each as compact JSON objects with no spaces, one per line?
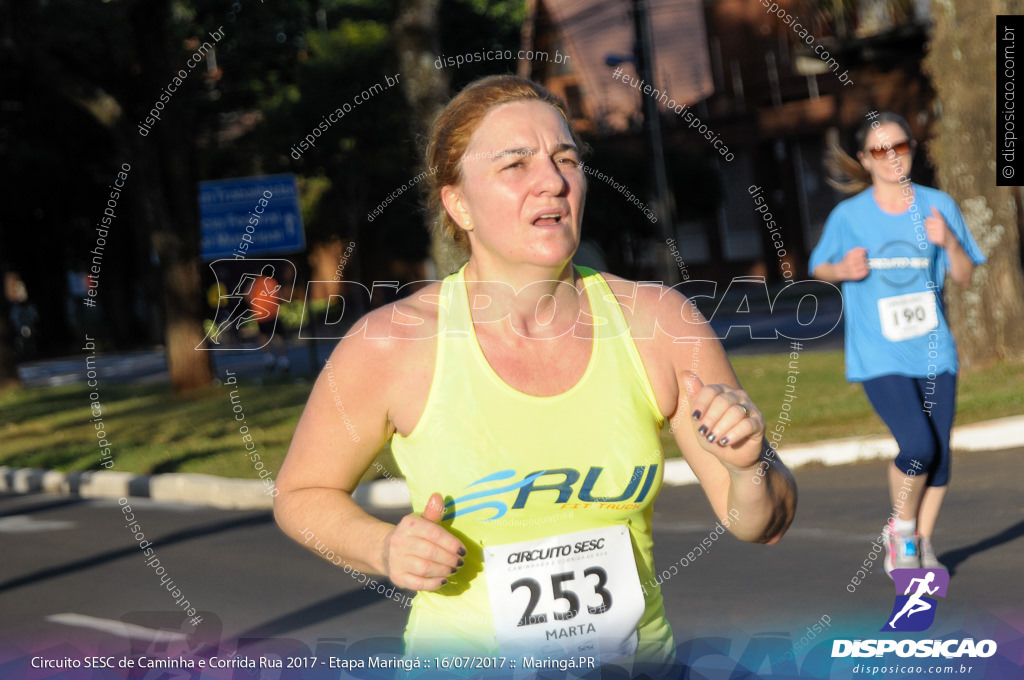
{"x":72,"y":577}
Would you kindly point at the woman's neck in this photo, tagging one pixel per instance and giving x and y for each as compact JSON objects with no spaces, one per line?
{"x":892,"y":198}
{"x":536,"y":303}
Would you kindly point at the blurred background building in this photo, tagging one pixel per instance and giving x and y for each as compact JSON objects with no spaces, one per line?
{"x":760,"y":88}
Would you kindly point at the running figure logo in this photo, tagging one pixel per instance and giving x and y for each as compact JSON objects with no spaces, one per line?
{"x":914,"y":611}
{"x":257,"y":296}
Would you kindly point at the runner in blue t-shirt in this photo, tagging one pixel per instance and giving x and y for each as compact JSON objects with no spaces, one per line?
{"x":891,"y":246}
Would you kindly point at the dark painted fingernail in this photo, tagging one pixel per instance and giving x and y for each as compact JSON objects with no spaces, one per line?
{"x":711,"y":436}
{"x":454,"y":569}
{"x":444,"y":581}
{"x":703,"y":429}
{"x":696,"y":415}
{"x":462,"y":552}
{"x":723,"y":441}
{"x":461,"y":562}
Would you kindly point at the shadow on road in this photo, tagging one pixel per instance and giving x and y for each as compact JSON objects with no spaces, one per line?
{"x":43,"y":507}
{"x":954,"y":558}
{"x":131,"y":550}
{"x":315,"y":613}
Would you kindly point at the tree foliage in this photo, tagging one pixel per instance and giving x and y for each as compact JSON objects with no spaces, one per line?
{"x":80,"y":76}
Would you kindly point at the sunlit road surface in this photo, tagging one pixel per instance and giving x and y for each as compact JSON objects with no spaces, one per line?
{"x":72,"y":575}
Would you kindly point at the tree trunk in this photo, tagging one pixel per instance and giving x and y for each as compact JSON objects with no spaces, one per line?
{"x":8,"y":366}
{"x":417,"y":46}
{"x":987,"y":318}
{"x":167,"y":203}
{"x":189,"y":368}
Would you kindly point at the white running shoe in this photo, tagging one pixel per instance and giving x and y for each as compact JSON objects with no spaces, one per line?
{"x":901,"y":552}
{"x":928,"y":558}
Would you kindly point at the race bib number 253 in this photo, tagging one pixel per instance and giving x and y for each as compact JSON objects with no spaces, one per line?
{"x":565,"y":595}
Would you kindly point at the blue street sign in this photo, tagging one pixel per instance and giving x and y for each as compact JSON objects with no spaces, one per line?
{"x":250,"y":216}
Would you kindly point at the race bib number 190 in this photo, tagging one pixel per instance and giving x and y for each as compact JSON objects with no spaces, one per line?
{"x":907,"y":316}
{"x":567,"y":595}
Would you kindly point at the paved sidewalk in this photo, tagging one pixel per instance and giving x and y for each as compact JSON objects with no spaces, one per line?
{"x":245,"y":494}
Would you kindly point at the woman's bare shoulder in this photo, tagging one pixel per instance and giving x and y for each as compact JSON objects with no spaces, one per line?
{"x":395,"y":330}
{"x":653,"y":309}
{"x":386,"y":359}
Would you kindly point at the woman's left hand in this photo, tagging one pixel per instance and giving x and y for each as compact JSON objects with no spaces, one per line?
{"x":725,"y":422}
{"x":937,"y":230}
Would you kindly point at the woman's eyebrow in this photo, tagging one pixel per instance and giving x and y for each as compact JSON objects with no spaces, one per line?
{"x":524,"y":151}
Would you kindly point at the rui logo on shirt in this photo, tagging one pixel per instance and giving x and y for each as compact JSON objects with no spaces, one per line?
{"x":562,"y":481}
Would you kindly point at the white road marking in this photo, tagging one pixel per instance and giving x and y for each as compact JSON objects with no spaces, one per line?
{"x":26,"y":524}
{"x":130,"y":631}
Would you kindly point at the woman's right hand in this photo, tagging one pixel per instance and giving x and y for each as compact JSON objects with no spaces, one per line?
{"x":854,"y":265}
{"x":419,"y":554}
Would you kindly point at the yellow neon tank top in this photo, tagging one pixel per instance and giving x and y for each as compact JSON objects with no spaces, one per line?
{"x":597,"y":446}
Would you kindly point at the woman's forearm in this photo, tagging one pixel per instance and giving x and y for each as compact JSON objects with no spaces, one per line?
{"x":762,"y":499}
{"x":330,"y":523}
{"x":961,"y":269}
{"x":828,"y":271}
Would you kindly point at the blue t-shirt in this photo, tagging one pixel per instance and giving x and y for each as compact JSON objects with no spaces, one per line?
{"x":895,"y":323}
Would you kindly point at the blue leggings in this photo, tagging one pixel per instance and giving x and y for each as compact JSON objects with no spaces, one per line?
{"x":919,"y":413}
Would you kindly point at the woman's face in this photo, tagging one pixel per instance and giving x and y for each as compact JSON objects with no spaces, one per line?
{"x":891,"y":166}
{"x":522,"y":190}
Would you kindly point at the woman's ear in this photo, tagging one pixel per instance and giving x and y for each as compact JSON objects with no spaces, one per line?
{"x":453,"y":202}
{"x":861,"y":157}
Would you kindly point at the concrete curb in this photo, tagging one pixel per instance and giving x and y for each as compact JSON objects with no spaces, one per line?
{"x":217,"y":492}
{"x":1003,"y":433}
{"x":247,"y":494}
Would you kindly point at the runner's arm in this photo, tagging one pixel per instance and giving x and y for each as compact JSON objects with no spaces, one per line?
{"x":961,"y":268}
{"x":744,"y":478}
{"x":344,"y":425}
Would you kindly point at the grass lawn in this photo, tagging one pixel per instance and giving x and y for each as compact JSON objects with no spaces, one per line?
{"x":151,"y":430}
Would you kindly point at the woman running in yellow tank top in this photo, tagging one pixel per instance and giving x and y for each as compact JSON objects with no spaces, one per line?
{"x":524,"y":398}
